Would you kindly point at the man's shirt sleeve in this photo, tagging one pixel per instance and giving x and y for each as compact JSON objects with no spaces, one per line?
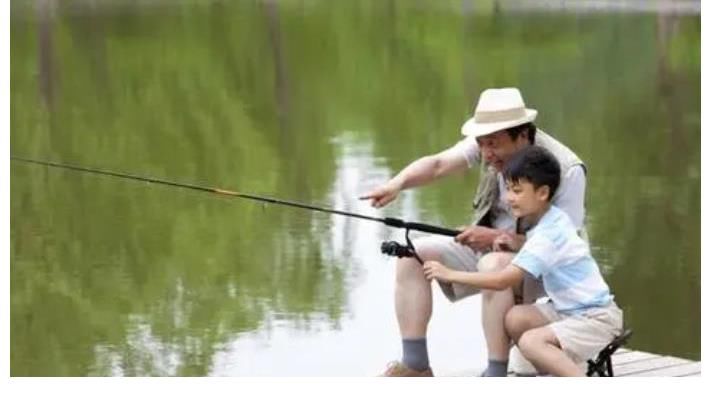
{"x":469,"y":149}
{"x":570,"y":196}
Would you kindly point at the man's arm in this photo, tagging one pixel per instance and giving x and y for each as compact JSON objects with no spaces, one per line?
{"x":420,"y":172}
{"x":480,"y":237}
{"x":508,"y":277}
{"x":430,"y":168}
{"x":509,"y":242}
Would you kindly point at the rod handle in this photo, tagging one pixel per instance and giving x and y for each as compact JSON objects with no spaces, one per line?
{"x":422,"y":227}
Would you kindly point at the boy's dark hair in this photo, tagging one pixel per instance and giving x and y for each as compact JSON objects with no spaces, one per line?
{"x":537,"y":166}
{"x":520,"y":129}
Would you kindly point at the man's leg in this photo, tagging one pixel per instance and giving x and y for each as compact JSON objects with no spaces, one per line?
{"x":542,"y":348}
{"x":413,"y":309}
{"x":413,"y":298}
{"x":495,"y":305}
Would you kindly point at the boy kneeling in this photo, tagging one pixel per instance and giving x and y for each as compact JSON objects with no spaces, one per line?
{"x":581,"y":316}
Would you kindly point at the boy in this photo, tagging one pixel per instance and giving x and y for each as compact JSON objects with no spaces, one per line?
{"x":581,"y":316}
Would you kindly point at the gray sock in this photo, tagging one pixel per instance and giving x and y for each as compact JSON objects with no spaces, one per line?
{"x":496,"y":368}
{"x":414,"y":354}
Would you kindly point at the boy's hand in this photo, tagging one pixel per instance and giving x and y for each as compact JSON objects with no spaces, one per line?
{"x":435,"y":270}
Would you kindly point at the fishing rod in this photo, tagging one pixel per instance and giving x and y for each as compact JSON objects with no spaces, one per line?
{"x":389,"y":247}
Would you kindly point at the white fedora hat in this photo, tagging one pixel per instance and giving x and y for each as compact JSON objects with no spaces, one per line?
{"x":498,"y":109}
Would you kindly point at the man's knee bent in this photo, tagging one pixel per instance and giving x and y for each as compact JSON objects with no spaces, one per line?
{"x":494,"y":261}
{"x":409,"y":267}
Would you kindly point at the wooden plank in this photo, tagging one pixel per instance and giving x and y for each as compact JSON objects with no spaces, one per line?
{"x":625,"y":362}
{"x":693,"y":375}
{"x":685,"y":369}
{"x":647,"y":365}
{"x":632,"y":356}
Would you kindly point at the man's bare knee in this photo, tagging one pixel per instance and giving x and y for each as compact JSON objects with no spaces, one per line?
{"x":407,"y":270}
{"x":494,"y":261}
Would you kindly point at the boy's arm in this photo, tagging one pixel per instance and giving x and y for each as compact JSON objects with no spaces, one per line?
{"x":508,"y":277}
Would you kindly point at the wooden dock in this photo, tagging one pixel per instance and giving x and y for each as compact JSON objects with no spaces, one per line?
{"x":627,"y":362}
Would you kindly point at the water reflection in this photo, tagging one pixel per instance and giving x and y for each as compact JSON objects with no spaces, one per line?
{"x":366,"y":337}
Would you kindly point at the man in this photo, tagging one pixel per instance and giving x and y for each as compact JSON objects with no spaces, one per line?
{"x":500,"y":127}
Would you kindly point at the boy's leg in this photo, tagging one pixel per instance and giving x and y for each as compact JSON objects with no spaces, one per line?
{"x":542,"y":347}
{"x":518,"y":320}
{"x":529,"y":292}
{"x":522,"y":318}
{"x":570,"y":339}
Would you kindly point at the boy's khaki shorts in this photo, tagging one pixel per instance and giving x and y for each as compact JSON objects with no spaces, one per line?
{"x":583,"y":335}
{"x":460,"y":257}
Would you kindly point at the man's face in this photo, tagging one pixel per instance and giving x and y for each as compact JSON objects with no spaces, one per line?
{"x":525,"y":199}
{"x":497,"y":148}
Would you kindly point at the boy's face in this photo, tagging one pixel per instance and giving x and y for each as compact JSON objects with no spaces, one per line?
{"x":525,"y":199}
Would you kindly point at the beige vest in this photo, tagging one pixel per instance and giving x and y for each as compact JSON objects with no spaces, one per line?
{"x":487,"y":192}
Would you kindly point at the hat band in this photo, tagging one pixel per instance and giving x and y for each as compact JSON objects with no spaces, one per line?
{"x":497,"y":116}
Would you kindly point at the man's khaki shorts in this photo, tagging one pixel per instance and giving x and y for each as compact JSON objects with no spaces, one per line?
{"x":583,"y":335}
{"x":460,"y":257}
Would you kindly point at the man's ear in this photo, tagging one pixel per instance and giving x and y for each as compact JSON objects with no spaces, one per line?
{"x":524,"y":135}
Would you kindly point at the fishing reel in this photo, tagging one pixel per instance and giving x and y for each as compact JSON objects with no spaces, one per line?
{"x":393,"y":248}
